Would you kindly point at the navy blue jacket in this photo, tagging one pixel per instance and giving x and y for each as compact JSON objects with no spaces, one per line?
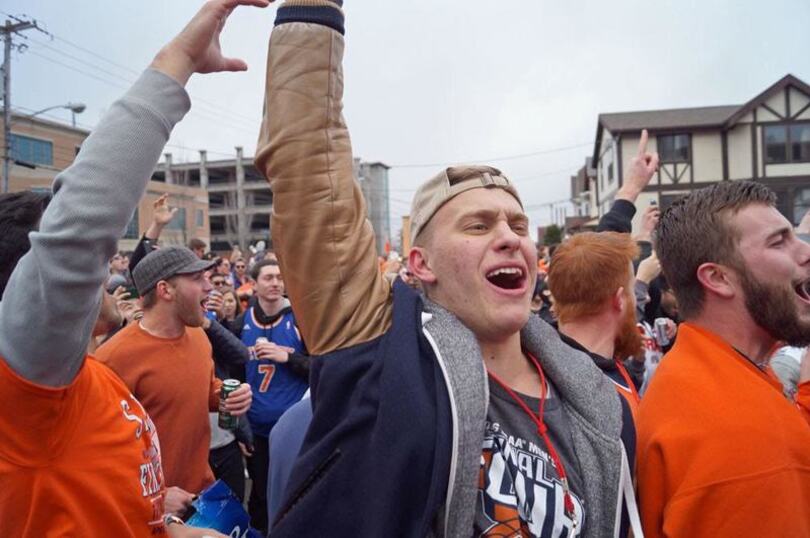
{"x":388,"y":410}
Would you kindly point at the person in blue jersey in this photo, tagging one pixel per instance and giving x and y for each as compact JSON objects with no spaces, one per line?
{"x":278,"y":376}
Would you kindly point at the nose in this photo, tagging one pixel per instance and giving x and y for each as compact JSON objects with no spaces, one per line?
{"x":506,"y":238}
{"x":804,"y":252}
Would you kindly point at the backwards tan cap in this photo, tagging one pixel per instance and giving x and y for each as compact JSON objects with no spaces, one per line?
{"x":451,"y":182}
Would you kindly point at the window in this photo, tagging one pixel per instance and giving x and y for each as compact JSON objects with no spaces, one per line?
{"x":801,"y":204}
{"x":775,"y":144}
{"x":179,"y":220}
{"x":200,"y":218}
{"x":800,"y":142}
{"x":31,"y":150}
{"x":132,"y":228}
{"x":674,"y":148}
{"x":787,"y":143}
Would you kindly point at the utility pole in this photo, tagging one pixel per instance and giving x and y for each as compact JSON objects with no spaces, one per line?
{"x":10,"y":28}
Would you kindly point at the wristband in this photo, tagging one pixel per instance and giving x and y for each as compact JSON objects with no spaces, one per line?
{"x":170,"y":519}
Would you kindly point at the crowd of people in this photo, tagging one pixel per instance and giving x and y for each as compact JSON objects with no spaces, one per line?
{"x":617,"y":384}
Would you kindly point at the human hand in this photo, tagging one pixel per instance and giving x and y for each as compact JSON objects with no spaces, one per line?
{"x":196,"y":48}
{"x":247,"y":451}
{"x":671,"y":329}
{"x":238,"y":402}
{"x":214,"y":303}
{"x":162,"y":214}
{"x":648,"y":269}
{"x":641,"y":170}
{"x":130,"y":309}
{"x":648,"y":222}
{"x":177,"y":501}
{"x":274,"y":352}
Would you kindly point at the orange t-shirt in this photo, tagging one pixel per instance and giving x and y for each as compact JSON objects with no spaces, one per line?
{"x":803,"y":399}
{"x":80,"y":460}
{"x":174,"y":380}
{"x":721,"y":451}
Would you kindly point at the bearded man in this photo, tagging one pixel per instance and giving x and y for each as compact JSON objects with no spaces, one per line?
{"x":166,"y":361}
{"x":592,"y":280}
{"x":721,"y":451}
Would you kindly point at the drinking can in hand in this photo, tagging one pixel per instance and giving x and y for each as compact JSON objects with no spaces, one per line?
{"x":661,"y":337}
{"x":226,"y":420}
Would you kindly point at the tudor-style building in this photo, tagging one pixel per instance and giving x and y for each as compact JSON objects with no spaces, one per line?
{"x":766,"y":139}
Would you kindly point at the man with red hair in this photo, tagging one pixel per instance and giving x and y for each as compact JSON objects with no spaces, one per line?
{"x":591,"y":278}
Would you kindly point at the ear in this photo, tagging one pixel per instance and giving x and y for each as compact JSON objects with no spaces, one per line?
{"x":419,"y":265}
{"x":619,"y":301}
{"x":717,"y":279}
{"x":164,"y":290}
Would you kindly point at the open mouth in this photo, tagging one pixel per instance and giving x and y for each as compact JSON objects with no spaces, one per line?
{"x":802,"y":289}
{"x":507,"y":278}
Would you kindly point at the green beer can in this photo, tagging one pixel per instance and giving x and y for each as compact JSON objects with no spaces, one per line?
{"x":226,"y":420}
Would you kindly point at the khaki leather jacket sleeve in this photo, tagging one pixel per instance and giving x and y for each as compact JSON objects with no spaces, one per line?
{"x":323,"y":240}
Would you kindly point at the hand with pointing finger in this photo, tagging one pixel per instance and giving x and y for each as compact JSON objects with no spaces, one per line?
{"x":641,"y":170}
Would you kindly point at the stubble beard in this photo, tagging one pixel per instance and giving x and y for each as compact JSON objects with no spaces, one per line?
{"x":774,"y":309}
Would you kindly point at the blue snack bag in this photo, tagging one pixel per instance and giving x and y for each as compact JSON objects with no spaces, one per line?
{"x":218,"y":508}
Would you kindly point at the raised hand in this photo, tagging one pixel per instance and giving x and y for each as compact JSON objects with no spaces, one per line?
{"x":196,"y":49}
{"x":642,"y":168}
{"x":648,"y":222}
{"x":162,"y":213}
{"x":648,"y":269}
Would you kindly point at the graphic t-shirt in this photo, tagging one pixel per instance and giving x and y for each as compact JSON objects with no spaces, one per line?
{"x":80,"y":460}
{"x":520,"y":493}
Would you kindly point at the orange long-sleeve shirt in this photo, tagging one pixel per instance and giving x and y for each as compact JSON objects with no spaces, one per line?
{"x":721,"y":452}
{"x":174,"y":380}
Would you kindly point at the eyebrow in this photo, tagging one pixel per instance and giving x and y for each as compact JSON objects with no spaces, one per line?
{"x":781,"y":231}
{"x":493,"y":214}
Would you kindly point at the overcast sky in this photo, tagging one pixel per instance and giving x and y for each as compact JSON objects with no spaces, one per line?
{"x":435,"y":82}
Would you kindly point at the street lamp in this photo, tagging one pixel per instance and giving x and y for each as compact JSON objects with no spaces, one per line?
{"x":75,"y":108}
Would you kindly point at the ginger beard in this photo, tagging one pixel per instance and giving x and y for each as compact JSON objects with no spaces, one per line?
{"x":774,"y":308}
{"x":628,"y":341}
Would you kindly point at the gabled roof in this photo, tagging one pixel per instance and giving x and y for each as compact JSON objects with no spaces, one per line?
{"x":688,"y":119}
{"x":778,"y":86}
{"x":674,"y":118}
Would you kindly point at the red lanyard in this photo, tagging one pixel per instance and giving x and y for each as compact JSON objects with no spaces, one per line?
{"x":542,"y":429}
{"x":630,"y":385}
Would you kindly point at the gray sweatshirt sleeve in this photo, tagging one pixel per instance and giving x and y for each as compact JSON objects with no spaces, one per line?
{"x":52,"y":299}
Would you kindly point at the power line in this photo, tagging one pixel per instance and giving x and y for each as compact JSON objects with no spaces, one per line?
{"x":228,"y":123}
{"x":216,"y":106}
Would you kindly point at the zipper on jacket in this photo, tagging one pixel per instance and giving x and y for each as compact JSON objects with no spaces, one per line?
{"x":454,"y":414}
{"x":308,"y":484}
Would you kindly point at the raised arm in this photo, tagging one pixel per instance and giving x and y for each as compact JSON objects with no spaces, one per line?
{"x":324,"y":242}
{"x":52,"y":299}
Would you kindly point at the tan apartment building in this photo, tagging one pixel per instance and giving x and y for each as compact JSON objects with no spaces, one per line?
{"x":766,"y":139}
{"x":41,"y":148}
{"x":241,"y":202}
